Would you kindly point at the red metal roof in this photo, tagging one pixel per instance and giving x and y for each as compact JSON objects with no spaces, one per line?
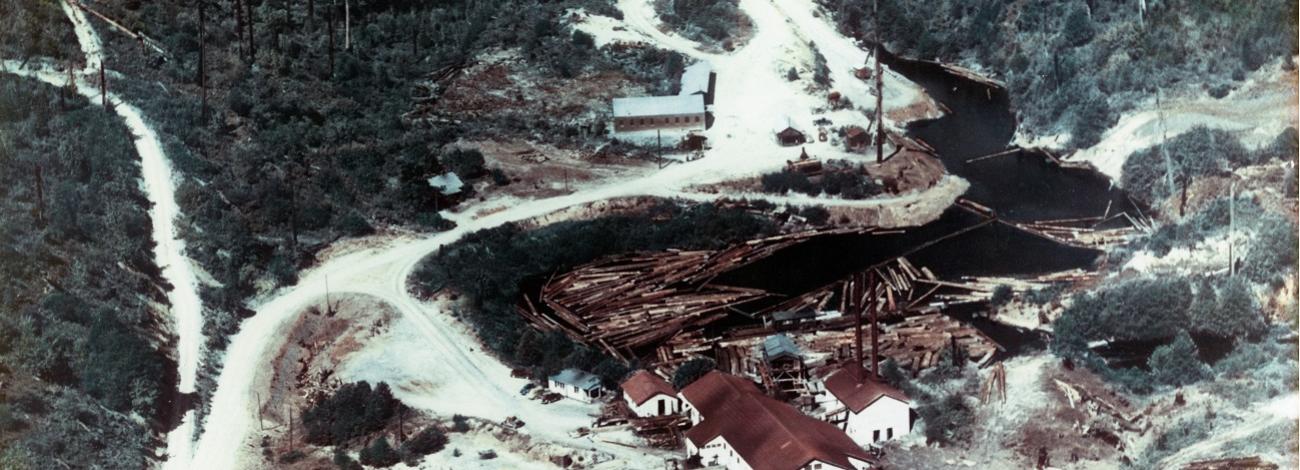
{"x":767,"y":434}
{"x":853,"y":386}
{"x":644,"y":385}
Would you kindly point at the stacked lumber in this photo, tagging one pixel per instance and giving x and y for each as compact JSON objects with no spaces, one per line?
{"x":919,"y":341}
{"x":1087,"y":237}
{"x":627,"y":303}
{"x":1239,"y":463}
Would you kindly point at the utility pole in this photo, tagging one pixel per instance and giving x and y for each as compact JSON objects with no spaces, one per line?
{"x":875,"y":340}
{"x":880,"y":98}
{"x":331,"y":40}
{"x":329,"y":308}
{"x":347,"y":25}
{"x":855,"y":302}
{"x":239,"y":27}
{"x":1232,"y":223}
{"x":203,"y":77}
{"x":103,"y":87}
{"x":290,"y":407}
{"x":40,"y":197}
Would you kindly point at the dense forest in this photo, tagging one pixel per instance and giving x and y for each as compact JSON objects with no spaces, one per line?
{"x":84,"y":379}
{"x":286,"y":119}
{"x":487,"y":267}
{"x":1073,"y":65}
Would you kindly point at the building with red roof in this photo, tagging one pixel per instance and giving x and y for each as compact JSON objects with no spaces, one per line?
{"x":648,"y":394}
{"x":866,"y":408}
{"x":736,"y":426}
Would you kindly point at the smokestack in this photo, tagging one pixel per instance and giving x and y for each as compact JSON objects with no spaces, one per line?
{"x":875,"y":340}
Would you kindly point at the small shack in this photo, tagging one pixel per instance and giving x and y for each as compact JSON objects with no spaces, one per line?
{"x":576,"y":384}
{"x":783,"y":369}
{"x":790,"y":136}
{"x":447,"y":184}
{"x":649,"y":395}
{"x":855,"y":137}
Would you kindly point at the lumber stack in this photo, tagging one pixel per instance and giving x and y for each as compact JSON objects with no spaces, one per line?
{"x":629,"y":302}
{"x":1239,"y":463}
{"x":919,"y":341}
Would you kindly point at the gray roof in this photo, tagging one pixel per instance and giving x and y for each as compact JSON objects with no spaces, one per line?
{"x":695,"y":79}
{"x":447,"y":183}
{"x":658,"y":105}
{"x":578,"y":378}
{"x":793,"y":315}
{"x":779,"y":345}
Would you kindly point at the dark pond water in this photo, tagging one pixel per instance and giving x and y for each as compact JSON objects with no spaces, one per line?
{"x":1022,"y":186}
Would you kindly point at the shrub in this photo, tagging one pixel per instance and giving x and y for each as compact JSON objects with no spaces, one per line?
{"x":692,"y":370}
{"x":1178,"y":362}
{"x":1078,"y":27}
{"x":583,"y":40}
{"x":1139,"y":309}
{"x":344,"y":461}
{"x":1001,"y":295}
{"x":380,"y":454}
{"x":466,"y":163}
{"x":459,"y":423}
{"x":430,"y":440}
{"x":353,"y":410}
{"x":948,"y":419}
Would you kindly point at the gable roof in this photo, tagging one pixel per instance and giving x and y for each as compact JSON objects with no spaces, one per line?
{"x":853,"y":386}
{"x":447,"y":183}
{"x":658,"y":105}
{"x":789,"y":131}
{"x":578,"y":378}
{"x":780,"y":345}
{"x":714,"y":389}
{"x":644,"y":385}
{"x":695,"y":78}
{"x":768,"y":434}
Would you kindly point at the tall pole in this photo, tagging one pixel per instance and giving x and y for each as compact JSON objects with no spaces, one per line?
{"x":855,"y":302}
{"x":875,"y":340}
{"x":880,"y":97}
{"x":203,"y":78}
{"x":1232,"y":223}
{"x":103,"y":87}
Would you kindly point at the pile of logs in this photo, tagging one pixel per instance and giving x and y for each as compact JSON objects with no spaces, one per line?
{"x":1240,"y":463}
{"x":628,"y":302}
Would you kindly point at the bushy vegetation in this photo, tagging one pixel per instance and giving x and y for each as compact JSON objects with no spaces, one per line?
{"x":840,"y":179}
{"x":353,"y":410}
{"x":692,"y":370}
{"x":1267,"y":259}
{"x":429,"y":440}
{"x":706,"y":21}
{"x":940,"y":396}
{"x":1069,"y":64}
{"x":380,"y":454}
{"x":488,"y":266}
{"x":1177,"y":363}
{"x":78,"y":356}
{"x":1150,"y":177}
{"x":36,"y":28}
{"x":304,"y":141}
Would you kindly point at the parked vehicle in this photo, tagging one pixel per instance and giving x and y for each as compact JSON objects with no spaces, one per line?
{"x":527,"y":388}
{"x":551,"y":398}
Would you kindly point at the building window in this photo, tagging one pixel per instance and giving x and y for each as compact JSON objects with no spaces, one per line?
{"x":889,"y":433}
{"x":875,"y":435}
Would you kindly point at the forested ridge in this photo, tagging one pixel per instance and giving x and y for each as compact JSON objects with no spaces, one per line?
{"x":81,"y":362}
{"x":291,"y":135}
{"x":1073,"y":65}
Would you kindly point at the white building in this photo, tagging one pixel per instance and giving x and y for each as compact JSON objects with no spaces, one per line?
{"x":576,"y":384}
{"x":867,"y":409}
{"x":737,"y":427}
{"x":648,"y":395}
{"x":675,"y":113}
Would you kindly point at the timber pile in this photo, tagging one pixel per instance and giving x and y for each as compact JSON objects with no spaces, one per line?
{"x":1240,"y":463}
{"x":919,"y":341}
{"x":1087,"y":237}
{"x":628,"y":302}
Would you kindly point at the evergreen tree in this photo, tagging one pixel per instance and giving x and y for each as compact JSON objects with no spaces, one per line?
{"x":1177,"y":363}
